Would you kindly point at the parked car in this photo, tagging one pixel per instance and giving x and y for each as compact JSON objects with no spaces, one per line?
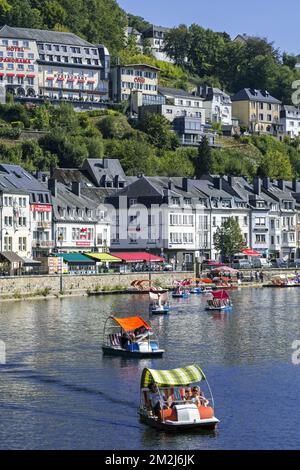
{"x":260,"y":263}
{"x":241,"y":264}
{"x":295,"y":263}
{"x":279,"y":263}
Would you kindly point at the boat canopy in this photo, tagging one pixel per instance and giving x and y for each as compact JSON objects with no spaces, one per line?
{"x":220,"y":294}
{"x":131,"y":323}
{"x":174,"y":377}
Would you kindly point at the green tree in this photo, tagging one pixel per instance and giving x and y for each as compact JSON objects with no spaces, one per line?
{"x":42,"y":118}
{"x":177,"y":44}
{"x":228,"y":239}
{"x":203,"y":162}
{"x":114,"y":127}
{"x":275,"y":165}
{"x":136,"y":156}
{"x":138,"y":22}
{"x":22,"y":14}
{"x":53,"y":13}
{"x":159,"y":132}
{"x":176,"y":163}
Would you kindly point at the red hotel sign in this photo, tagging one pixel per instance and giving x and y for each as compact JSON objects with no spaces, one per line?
{"x":41,"y":207}
{"x":139,"y":80}
{"x":17,"y":61}
{"x":15,"y":48}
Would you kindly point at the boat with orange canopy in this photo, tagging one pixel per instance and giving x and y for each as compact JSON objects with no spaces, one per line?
{"x":130,"y":337}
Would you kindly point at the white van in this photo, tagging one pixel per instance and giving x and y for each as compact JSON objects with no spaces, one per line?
{"x":260,"y":263}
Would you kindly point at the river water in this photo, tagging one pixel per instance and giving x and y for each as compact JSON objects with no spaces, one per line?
{"x":58,"y":392}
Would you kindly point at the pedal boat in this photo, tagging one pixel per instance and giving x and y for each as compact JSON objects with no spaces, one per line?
{"x":219,"y":302}
{"x":182,"y":415}
{"x":124,"y":339}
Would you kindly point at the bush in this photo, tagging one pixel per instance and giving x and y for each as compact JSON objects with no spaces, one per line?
{"x":17,"y":124}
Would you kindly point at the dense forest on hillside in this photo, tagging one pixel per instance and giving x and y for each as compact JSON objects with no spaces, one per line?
{"x":201,"y":56}
{"x":45,"y":136}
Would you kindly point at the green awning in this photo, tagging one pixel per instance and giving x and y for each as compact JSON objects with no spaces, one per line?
{"x":104,"y":257}
{"x":165,"y":378}
{"x":76,"y":258}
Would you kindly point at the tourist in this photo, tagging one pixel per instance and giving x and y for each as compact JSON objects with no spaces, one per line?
{"x":261,"y":276}
{"x":156,"y":399}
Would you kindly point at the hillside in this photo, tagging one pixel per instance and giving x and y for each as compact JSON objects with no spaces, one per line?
{"x":201,"y":56}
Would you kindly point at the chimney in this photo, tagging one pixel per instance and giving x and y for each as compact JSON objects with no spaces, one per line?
{"x":256,"y":185}
{"x":231,"y":180}
{"x":76,"y":188}
{"x":266,"y":183}
{"x":105,"y":162}
{"x":185,"y":184}
{"x":170,"y":185}
{"x":295,"y":186}
{"x":217,"y":181}
{"x":52,"y":186}
{"x":52,"y":170}
{"x":280,"y":184}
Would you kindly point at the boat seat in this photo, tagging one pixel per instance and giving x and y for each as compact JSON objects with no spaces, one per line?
{"x":114,"y":339}
{"x":169,"y":413}
{"x":205,"y":412}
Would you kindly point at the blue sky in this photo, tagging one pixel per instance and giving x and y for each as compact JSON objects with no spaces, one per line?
{"x":277,"y":21}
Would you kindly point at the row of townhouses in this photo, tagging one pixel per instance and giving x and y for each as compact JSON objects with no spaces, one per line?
{"x":38,"y":64}
{"x":97,"y":208}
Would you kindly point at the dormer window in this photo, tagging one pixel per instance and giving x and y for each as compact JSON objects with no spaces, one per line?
{"x":132,"y":202}
{"x":175,"y":201}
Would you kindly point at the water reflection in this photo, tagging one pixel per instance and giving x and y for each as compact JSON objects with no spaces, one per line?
{"x":57,"y":391}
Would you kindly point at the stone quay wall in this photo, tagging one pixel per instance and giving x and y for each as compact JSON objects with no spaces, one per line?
{"x":19,"y":286}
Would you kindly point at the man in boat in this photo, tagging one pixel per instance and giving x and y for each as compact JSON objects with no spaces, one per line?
{"x":198,"y":398}
{"x":156,"y":399}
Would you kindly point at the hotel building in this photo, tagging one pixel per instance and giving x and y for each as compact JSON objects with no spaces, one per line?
{"x":52,"y":64}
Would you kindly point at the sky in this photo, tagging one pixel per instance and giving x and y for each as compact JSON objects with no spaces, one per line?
{"x":277,"y":21}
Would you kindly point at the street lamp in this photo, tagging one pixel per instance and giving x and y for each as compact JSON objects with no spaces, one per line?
{"x":150,"y":280}
{"x":60,"y":239}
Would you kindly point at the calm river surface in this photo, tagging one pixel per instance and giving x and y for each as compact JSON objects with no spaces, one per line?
{"x":58,"y":392}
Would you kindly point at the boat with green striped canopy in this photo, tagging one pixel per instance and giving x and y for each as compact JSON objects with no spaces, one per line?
{"x":172,"y":400}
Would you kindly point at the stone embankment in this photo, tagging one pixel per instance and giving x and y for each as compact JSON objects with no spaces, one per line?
{"x":25,"y":287}
{"x":21,"y":287}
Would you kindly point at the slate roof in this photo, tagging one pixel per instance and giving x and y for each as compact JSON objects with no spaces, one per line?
{"x":20,"y":181}
{"x":176,"y":92}
{"x":249,"y":94}
{"x":41,"y":35}
{"x":67,"y":199}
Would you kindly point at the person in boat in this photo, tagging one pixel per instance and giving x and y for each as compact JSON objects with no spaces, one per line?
{"x":157,"y":400}
{"x":139,"y":333}
{"x":125,"y":340}
{"x":198,"y":397}
{"x":187,"y":395}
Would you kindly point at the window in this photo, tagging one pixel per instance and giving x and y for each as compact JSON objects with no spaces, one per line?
{"x":22,"y":221}
{"x":132,"y":201}
{"x":8,"y":221}
{"x":7,"y":243}
{"x":22,"y":244}
{"x":25,"y":43}
{"x":30,"y":55}
{"x":214,"y":222}
{"x":246,"y":221}
{"x":175,"y":201}
{"x":261,"y":221}
{"x":260,"y":239}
